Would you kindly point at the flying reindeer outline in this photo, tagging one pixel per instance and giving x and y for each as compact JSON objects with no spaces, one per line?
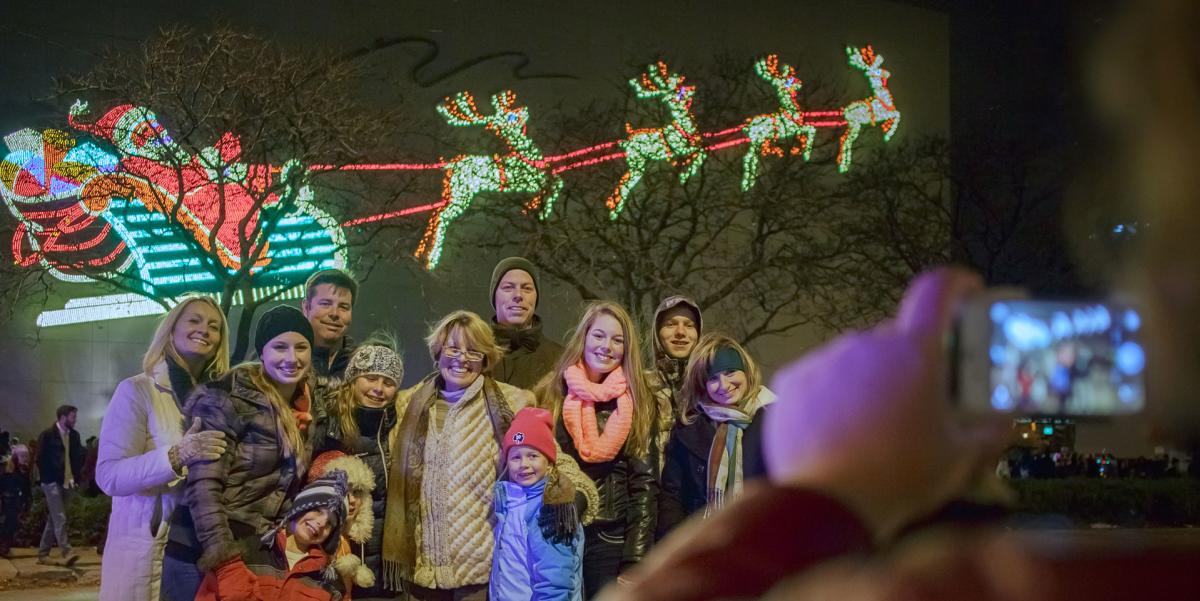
{"x":788,"y":122}
{"x":679,"y":141}
{"x":522,"y":169}
{"x":879,"y":109}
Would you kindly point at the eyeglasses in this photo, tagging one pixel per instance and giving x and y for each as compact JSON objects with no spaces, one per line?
{"x":453,"y":352}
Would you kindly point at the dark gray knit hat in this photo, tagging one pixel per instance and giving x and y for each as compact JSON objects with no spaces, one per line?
{"x":507,"y":265}
{"x":278,"y":320}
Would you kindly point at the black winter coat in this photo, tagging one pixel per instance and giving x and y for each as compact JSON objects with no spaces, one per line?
{"x":52,"y":456}
{"x":528,"y":355}
{"x":685,"y":469}
{"x":628,"y":491}
{"x":371,"y":445}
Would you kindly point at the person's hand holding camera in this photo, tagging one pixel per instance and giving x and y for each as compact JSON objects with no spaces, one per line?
{"x":865,"y":418}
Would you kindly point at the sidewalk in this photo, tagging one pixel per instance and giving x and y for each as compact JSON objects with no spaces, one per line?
{"x":22,"y":571}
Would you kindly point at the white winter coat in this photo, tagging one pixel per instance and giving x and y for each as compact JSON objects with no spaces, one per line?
{"x":141,"y":424}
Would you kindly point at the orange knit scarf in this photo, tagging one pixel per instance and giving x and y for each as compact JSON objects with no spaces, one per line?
{"x":579,"y":413}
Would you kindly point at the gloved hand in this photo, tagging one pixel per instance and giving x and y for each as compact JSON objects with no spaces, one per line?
{"x":235,"y":581}
{"x":199,"y":446}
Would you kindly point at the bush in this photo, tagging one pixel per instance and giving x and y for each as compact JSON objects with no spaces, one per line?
{"x":1129,"y":502}
{"x":87,"y":520}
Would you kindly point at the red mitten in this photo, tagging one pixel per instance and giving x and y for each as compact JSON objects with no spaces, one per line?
{"x":235,"y":581}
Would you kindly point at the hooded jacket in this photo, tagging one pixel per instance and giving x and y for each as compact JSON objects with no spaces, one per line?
{"x":372,"y":447}
{"x":666,"y":379}
{"x":309,"y":580}
{"x":526,"y":564}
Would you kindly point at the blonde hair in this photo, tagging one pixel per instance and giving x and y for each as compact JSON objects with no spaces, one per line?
{"x":476,"y":332}
{"x":552,"y":389}
{"x":695,"y":376}
{"x":162,"y":346}
{"x":283,"y":408}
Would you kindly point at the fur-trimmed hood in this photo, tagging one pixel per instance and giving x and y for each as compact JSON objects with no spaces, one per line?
{"x":361,"y":480}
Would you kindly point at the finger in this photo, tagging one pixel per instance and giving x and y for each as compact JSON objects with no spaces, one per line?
{"x":928,"y":305}
{"x":195,"y":426}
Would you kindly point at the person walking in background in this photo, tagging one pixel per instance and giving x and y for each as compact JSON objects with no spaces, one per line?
{"x":605,"y":419}
{"x":16,"y":495}
{"x":717,"y":445}
{"x":539,"y":538}
{"x":144,"y":451}
{"x":263,"y":410}
{"x":60,"y":461}
{"x":528,"y":354}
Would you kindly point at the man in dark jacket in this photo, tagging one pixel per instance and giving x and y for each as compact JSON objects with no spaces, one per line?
{"x":528,"y":356}
{"x":329,"y":296}
{"x":60,"y":461}
{"x":677,"y":327}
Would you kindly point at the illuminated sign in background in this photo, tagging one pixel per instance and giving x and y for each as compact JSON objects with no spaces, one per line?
{"x":149,"y":215}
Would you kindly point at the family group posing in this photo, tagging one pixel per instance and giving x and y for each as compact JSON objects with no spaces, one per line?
{"x":519,"y":469}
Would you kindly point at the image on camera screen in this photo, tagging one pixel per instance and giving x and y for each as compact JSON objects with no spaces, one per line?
{"x":1066,"y":358}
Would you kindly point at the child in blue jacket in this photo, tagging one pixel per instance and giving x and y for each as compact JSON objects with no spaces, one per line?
{"x":539,"y":540}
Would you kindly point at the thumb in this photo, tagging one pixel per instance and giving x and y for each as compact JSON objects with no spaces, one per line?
{"x":195,"y":426}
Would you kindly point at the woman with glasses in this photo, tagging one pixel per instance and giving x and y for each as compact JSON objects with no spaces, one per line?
{"x":445,"y":459}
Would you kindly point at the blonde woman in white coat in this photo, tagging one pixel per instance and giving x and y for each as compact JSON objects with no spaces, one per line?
{"x":145,"y":450}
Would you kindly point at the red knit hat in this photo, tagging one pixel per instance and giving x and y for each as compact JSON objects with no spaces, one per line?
{"x":532,"y":427}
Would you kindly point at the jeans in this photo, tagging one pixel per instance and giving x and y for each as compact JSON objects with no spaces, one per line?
{"x":57,"y":498}
{"x":602,"y":553}
{"x":180,"y":580}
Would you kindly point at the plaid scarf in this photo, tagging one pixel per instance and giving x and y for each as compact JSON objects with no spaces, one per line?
{"x":724,"y":473}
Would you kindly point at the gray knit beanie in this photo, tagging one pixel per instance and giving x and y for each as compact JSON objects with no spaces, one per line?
{"x":507,"y":265}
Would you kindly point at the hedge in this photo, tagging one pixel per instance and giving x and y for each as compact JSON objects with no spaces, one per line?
{"x":87,"y":520}
{"x":1131,"y":503}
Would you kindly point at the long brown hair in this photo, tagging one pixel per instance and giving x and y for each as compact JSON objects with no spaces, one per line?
{"x":552,"y":389}
{"x":695,"y":376}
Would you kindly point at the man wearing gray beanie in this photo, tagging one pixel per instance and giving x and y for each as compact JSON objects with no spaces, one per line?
{"x":528,"y":355}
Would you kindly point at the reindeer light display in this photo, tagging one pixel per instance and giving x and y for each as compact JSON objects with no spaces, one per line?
{"x":678,"y":142}
{"x":879,"y":109}
{"x":764,"y":131}
{"x":522,"y":169}
{"x":82,"y":209}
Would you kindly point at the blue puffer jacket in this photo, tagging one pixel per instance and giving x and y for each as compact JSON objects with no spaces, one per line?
{"x":525,"y":564}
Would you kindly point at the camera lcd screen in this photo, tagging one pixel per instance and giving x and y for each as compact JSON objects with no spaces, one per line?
{"x":1066,"y":358}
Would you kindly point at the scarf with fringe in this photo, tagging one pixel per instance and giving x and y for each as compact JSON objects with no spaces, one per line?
{"x":407,"y":471}
{"x":724,"y":471}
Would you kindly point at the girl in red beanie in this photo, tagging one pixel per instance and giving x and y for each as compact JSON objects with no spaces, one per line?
{"x":539,"y":540}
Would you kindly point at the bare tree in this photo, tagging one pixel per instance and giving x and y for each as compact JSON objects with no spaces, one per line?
{"x":224,"y":149}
